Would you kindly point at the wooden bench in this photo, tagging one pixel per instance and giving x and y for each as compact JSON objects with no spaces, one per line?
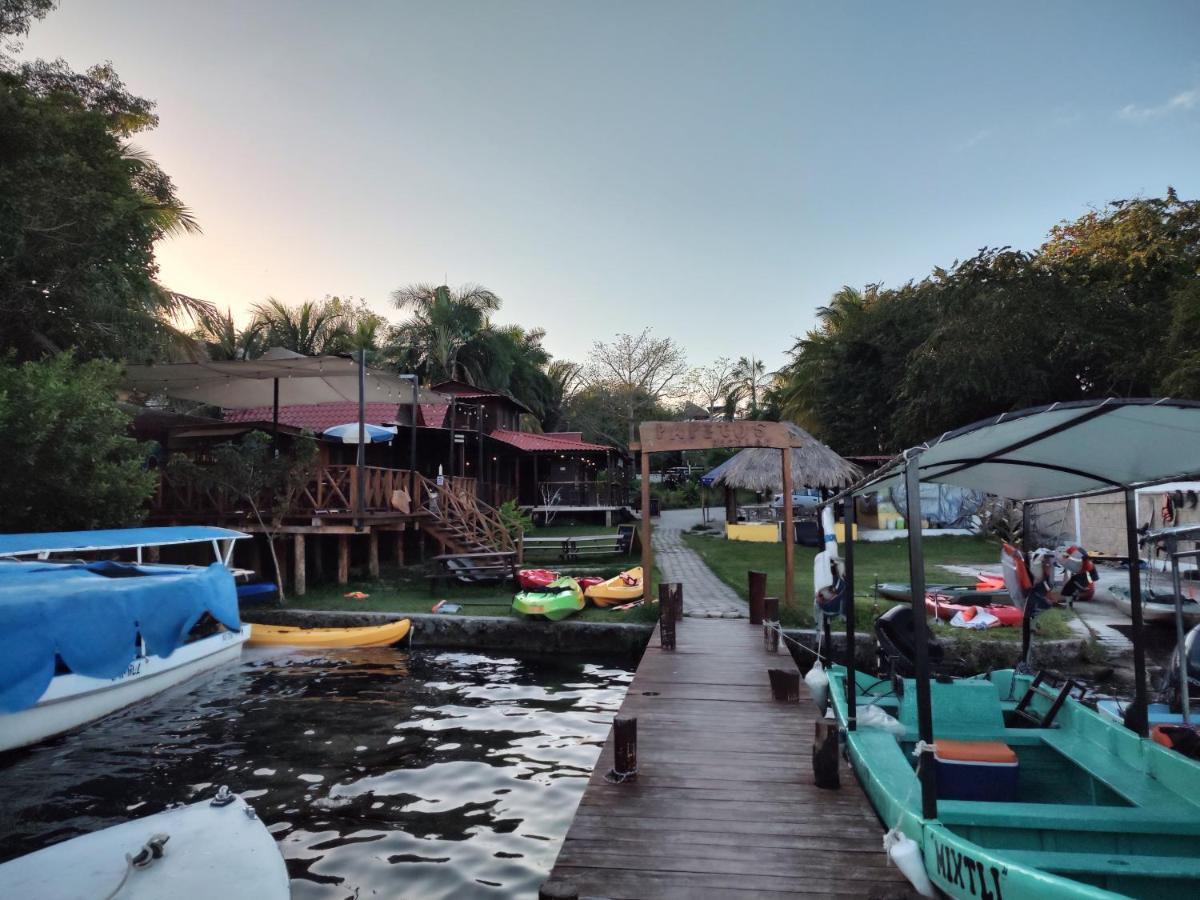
{"x":474,"y":568}
{"x":572,"y":547}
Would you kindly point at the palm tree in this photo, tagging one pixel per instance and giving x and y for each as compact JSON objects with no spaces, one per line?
{"x":749,"y":378}
{"x":311,"y":328}
{"x":442,"y":322}
{"x":223,"y":340}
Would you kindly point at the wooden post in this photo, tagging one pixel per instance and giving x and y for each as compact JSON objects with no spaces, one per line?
{"x":789,"y":531}
{"x":825,"y":755}
{"x":667,"y":593}
{"x":557,"y":890}
{"x":771,"y":624}
{"x":624,"y":750}
{"x":280,"y":549}
{"x":300,"y":576}
{"x":785,"y":685}
{"x":343,"y":572}
{"x":399,"y":548}
{"x":647,"y":554}
{"x":758,"y":593}
{"x":730,"y":506}
{"x":373,"y":554}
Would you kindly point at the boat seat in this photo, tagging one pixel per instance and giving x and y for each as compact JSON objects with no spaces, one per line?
{"x":964,"y":709}
{"x":1119,"y":776}
{"x":1068,"y":863}
{"x":1105,"y":819}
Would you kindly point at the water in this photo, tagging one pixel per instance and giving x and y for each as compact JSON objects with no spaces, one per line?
{"x":381,"y":773}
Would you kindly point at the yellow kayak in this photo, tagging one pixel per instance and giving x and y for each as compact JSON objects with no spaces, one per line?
{"x":365,"y":636}
{"x":618,"y":589}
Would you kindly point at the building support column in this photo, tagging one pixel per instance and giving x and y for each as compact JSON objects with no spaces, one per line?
{"x":343,"y":570}
{"x":300,"y":574}
{"x":373,"y":554}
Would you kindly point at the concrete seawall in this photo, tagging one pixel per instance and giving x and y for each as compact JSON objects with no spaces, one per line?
{"x":479,"y":632}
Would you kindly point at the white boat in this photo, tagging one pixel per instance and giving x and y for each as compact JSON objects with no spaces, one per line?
{"x":214,"y":850}
{"x":81,"y":640}
{"x":1157,"y":608}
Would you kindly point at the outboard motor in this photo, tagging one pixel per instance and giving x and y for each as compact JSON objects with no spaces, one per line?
{"x":895,"y":632}
{"x":1173,"y":682}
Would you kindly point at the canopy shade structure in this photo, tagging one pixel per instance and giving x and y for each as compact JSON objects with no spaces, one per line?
{"x":348,"y":433}
{"x":1059,"y":451}
{"x":112,"y":539}
{"x":239,"y":384}
{"x":813,"y":465}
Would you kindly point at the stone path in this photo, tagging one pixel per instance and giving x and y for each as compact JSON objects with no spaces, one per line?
{"x":704,"y":594}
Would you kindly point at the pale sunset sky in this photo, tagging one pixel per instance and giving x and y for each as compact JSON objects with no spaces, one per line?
{"x":712,"y":170}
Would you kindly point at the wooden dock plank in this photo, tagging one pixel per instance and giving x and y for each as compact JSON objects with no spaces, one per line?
{"x":724,"y":804}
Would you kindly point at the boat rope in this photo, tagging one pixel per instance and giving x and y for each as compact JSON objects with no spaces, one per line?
{"x":612,"y":776}
{"x":224,"y":796}
{"x":921,"y":747}
{"x":150,"y":851}
{"x":775,"y":626}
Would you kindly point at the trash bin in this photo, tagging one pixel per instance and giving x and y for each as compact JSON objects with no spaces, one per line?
{"x":808,"y":533}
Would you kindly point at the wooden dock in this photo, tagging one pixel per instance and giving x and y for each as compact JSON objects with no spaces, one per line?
{"x":724,"y":803}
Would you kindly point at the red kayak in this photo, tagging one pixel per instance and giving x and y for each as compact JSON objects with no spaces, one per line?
{"x":539,"y":579}
{"x":1008,"y":615}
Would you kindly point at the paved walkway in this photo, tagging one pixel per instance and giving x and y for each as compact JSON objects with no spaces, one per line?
{"x":704,"y":594}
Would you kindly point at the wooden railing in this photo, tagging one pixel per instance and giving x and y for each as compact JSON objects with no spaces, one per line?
{"x":456,"y":505}
{"x":331,"y":489}
{"x":580,"y":493}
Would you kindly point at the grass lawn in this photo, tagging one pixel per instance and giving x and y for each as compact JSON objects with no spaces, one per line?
{"x":405,"y":590}
{"x":881,"y":561}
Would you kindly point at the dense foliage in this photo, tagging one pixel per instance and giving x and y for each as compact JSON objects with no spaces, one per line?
{"x":1087,"y":315}
{"x":66,"y":462}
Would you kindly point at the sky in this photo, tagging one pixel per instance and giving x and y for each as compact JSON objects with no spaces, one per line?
{"x":713,"y":171}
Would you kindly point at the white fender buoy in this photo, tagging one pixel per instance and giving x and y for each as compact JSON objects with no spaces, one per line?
{"x":818,"y":685}
{"x":906,"y":854}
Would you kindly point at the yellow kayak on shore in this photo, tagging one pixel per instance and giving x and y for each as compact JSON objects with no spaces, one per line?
{"x":618,"y":589}
{"x":363,"y":636}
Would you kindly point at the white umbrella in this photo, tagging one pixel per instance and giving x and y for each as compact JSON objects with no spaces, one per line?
{"x":348,"y":433}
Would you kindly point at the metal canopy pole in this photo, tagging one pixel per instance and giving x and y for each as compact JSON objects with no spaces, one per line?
{"x":1173,"y":550}
{"x":1028,"y":612}
{"x":412,"y":441}
{"x":1135,"y":602}
{"x":916,"y":575}
{"x":851,"y":670}
{"x":275,"y":417}
{"x":361,"y":458}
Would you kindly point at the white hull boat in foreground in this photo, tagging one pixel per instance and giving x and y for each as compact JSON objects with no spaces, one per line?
{"x":72,"y":700}
{"x":214,"y":850}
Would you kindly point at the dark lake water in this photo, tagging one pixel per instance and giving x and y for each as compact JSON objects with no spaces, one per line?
{"x":381,"y":773}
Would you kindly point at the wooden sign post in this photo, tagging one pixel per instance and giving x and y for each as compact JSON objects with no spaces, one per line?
{"x":657,"y":437}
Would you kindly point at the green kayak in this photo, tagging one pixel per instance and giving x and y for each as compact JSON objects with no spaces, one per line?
{"x":562,"y":597}
{"x":1080,"y":807}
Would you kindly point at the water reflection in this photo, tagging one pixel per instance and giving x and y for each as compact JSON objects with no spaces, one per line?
{"x":380,"y":772}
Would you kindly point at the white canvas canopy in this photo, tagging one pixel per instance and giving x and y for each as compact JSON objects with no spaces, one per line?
{"x":242,"y":384}
{"x":1060,"y":451}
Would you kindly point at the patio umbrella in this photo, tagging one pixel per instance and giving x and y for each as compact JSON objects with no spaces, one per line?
{"x":348,"y":433}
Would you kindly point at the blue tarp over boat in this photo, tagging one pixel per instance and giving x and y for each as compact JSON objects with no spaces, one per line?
{"x":111,"y":539}
{"x":90,"y":615}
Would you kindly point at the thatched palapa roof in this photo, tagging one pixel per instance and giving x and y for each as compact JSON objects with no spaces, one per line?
{"x":813,"y":465}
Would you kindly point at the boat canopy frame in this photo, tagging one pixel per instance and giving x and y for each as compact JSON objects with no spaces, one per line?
{"x":42,"y":544}
{"x":1055,"y":452}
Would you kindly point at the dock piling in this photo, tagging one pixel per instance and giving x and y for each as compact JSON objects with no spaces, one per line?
{"x":757,"y":594}
{"x":625,"y":767}
{"x":771,"y":624}
{"x":825,"y":755}
{"x":785,"y":685}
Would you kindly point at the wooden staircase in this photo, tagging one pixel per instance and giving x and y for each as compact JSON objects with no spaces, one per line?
{"x":459,"y":521}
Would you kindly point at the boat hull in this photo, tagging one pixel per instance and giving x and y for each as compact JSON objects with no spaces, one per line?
{"x":1158,"y":613}
{"x":213,"y":853}
{"x":72,"y":700}
{"x":365,"y":636}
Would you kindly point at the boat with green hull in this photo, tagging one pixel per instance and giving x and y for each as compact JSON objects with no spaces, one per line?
{"x":999,"y":786}
{"x":1097,"y":811}
{"x":561,"y":598}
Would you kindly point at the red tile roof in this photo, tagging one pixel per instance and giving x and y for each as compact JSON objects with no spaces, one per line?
{"x":316,"y":416}
{"x":433,"y":415}
{"x":560,"y":441}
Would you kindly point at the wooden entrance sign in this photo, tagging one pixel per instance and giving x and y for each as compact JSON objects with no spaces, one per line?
{"x":657,"y":437}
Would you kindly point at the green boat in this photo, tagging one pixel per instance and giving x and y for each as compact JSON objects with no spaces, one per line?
{"x":1008,"y":788}
{"x":562,"y":597}
{"x":957,"y":593}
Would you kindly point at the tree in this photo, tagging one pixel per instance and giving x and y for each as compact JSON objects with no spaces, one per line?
{"x":442,"y":322}
{"x":223,"y":340}
{"x":708,"y":386}
{"x":80,"y":212}
{"x":66,"y":461}
{"x":638,"y":369}
{"x":748,"y":380}
{"x":251,"y":471}
{"x":565,"y":379}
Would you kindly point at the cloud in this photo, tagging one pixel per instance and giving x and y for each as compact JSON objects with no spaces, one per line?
{"x":1181,"y":102}
{"x":973,"y":141}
